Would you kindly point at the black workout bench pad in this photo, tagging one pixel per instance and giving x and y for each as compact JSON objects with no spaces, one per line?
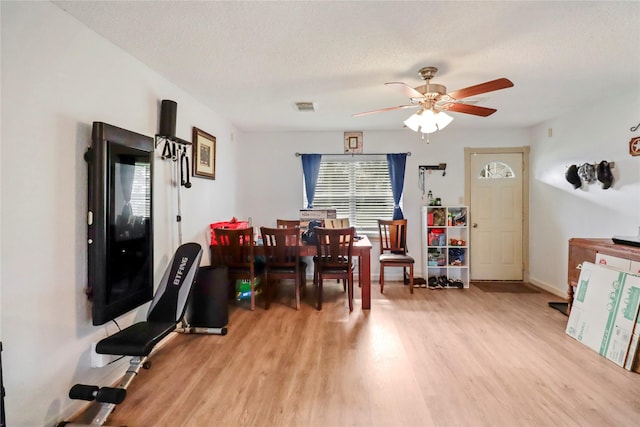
{"x":136,"y":340}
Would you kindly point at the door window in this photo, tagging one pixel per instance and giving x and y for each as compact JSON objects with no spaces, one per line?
{"x":496,"y":170}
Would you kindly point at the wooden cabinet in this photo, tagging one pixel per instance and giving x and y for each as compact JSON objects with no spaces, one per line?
{"x":581,"y":250}
{"x":445,"y":243}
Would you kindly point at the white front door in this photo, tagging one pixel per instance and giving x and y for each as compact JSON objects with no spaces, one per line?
{"x":496,"y":215}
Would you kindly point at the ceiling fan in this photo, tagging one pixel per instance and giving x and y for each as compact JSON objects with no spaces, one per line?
{"x":433,"y":100}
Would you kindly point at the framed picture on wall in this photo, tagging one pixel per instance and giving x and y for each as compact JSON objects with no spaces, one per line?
{"x":353,"y":142}
{"x":204,"y":154}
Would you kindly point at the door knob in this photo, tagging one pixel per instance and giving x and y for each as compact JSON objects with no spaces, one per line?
{"x":475,"y":225}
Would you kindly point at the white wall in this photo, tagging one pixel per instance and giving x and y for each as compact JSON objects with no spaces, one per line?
{"x":57,"y":78}
{"x":273,"y":160}
{"x":596,"y":132}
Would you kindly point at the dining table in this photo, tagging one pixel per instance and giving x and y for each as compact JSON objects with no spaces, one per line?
{"x":361,"y":250}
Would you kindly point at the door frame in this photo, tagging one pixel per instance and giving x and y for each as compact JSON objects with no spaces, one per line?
{"x":468,"y":152}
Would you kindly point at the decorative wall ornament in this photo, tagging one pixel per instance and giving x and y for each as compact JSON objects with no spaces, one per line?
{"x":589,"y":173}
{"x":634,"y":146}
{"x":353,"y":142}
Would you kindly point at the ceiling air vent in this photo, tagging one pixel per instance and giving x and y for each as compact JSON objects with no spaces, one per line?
{"x":305,"y":106}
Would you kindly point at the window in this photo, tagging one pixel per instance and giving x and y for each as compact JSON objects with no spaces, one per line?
{"x":496,"y":170}
{"x":358,"y":187}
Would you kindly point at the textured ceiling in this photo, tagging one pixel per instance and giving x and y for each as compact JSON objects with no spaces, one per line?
{"x":251,"y":61}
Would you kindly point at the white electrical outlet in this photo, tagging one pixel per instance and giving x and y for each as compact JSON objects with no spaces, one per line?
{"x":100,"y":360}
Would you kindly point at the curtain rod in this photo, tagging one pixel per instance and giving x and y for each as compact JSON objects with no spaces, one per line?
{"x":353,"y":154}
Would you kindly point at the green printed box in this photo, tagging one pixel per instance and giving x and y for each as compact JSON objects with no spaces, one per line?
{"x":605,"y":311}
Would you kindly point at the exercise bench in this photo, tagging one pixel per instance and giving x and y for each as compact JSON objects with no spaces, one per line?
{"x":138,"y":340}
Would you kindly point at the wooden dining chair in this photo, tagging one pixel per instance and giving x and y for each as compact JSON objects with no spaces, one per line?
{"x":333,"y":260}
{"x":235,"y":250}
{"x":393,"y":249}
{"x":342,"y":223}
{"x":282,"y":254}
{"x":288,"y":223}
{"x":337,"y":223}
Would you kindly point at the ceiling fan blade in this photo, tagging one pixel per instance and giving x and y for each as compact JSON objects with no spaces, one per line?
{"x":481,"y":88}
{"x":382,"y":110}
{"x":470,"y":109}
{"x":406,"y":89}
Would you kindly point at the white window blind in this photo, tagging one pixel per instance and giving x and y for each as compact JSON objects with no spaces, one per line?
{"x":140,"y":195}
{"x":358,"y":188}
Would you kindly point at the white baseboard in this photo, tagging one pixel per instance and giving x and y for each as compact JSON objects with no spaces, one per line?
{"x":549,"y":288}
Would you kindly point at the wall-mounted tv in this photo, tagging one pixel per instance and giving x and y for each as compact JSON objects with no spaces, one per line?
{"x":120,"y":221}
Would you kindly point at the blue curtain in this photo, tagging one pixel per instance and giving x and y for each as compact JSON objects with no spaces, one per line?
{"x":397,"y":164}
{"x":311,"y":169}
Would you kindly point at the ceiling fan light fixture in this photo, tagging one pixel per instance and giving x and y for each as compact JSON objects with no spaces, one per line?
{"x":428,"y":121}
{"x":413,"y":122}
{"x":443,"y":119}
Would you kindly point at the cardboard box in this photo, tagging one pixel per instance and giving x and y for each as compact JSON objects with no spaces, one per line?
{"x":619,"y":263}
{"x":605,"y":311}
{"x":311,"y":214}
{"x":612,"y":261}
{"x":633,"y":354}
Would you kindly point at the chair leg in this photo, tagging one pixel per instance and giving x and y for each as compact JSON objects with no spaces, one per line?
{"x":381,"y":278}
{"x":253,"y":293}
{"x":411,"y":278}
{"x":350,"y":294}
{"x":298,"y":284}
{"x":319,"y":291}
{"x":315,"y":275}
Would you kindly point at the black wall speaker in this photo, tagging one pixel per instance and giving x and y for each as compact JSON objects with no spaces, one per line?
{"x":168,"y":118}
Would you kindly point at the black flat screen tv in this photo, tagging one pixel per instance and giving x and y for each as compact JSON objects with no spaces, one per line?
{"x":120,"y":221}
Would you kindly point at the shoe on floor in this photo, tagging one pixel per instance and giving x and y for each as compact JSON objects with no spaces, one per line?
{"x":456,"y":283}
{"x":434,"y":283}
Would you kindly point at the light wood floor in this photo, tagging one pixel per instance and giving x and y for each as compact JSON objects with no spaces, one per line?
{"x":435,"y":358}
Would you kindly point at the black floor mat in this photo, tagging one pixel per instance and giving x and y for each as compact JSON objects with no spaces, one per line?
{"x":560,"y":306}
{"x":509,"y":287}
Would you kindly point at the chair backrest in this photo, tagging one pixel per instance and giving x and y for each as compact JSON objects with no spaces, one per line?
{"x":335,"y":246}
{"x":281,"y":247}
{"x":288,"y":223}
{"x":393,"y":236}
{"x":234,"y":248}
{"x":337,"y":223}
